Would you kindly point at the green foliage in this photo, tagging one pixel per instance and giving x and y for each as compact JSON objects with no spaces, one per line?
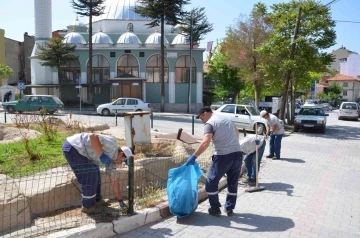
{"x":227,"y":77}
{"x":54,"y":53}
{"x":196,"y":24}
{"x":334,"y":91}
{"x":15,"y":161}
{"x":5,"y":70}
{"x":161,"y":11}
{"x":87,"y":8}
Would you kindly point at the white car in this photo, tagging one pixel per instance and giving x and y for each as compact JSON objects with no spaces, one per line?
{"x":122,"y":105}
{"x":243,"y":116}
{"x":348,"y":110}
{"x":311,"y":117}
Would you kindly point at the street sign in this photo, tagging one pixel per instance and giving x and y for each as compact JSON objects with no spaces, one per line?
{"x":21,"y":85}
{"x":78,"y":86}
{"x":115,"y":84}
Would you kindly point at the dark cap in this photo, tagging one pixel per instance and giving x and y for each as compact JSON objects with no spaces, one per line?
{"x":202,"y":110}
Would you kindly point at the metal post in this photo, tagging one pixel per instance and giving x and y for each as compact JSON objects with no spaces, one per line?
{"x":179,"y":134}
{"x":80,"y":98}
{"x":152,"y":120}
{"x":131,"y":190}
{"x":5,"y":115}
{"x":193,"y":124}
{"x":244,"y":132}
{"x":190,"y":80}
{"x":115,"y":117}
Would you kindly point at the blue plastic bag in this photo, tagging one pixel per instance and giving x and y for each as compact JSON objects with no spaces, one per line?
{"x":182,"y":189}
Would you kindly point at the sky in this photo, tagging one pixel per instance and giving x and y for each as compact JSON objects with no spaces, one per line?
{"x":16,"y":19}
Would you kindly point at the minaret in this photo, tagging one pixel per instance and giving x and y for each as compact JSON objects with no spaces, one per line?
{"x":43,"y":32}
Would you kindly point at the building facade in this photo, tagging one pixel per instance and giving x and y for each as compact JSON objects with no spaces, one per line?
{"x":126,"y":61}
{"x":351,"y":87}
{"x":340,"y":55}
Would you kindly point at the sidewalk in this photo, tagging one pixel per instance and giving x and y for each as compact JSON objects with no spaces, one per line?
{"x":314,"y":191}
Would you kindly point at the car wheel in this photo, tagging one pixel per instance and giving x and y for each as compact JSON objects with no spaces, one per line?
{"x":105,"y":112}
{"x":323,"y":130}
{"x":51,"y":112}
{"x":10,"y":109}
{"x":138,"y":110}
{"x":260,"y":129}
{"x":296,"y":129}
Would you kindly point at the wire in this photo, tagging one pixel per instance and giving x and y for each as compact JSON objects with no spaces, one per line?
{"x":348,"y":21}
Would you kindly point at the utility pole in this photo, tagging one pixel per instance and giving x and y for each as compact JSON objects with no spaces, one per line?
{"x":288,"y":73}
{"x":190,"y":78}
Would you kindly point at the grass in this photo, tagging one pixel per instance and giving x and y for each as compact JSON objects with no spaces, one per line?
{"x":15,"y":161}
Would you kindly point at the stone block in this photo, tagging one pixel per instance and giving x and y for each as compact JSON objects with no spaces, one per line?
{"x":126,"y":224}
{"x":14,"y":207}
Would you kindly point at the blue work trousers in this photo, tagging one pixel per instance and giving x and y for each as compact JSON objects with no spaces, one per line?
{"x":230,"y":165}
{"x":86,"y":172}
{"x":250,"y":162}
{"x":275,"y":145}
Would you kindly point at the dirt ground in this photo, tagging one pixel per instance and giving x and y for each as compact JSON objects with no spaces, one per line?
{"x":11,"y":134}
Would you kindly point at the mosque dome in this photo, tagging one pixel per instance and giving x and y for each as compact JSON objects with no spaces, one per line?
{"x":121,"y":10}
{"x":74,"y":38}
{"x":77,"y":25}
{"x":155,"y":38}
{"x":180,"y":39}
{"x":101,"y":38}
{"x":128,"y":38}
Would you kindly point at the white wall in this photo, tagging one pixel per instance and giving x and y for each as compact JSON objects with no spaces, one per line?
{"x":352,"y":66}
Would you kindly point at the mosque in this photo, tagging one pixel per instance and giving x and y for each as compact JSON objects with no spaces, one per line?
{"x":125,"y":60}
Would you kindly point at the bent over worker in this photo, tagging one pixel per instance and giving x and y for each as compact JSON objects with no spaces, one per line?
{"x":227,"y":158}
{"x":248,"y":146}
{"x":85,"y":152}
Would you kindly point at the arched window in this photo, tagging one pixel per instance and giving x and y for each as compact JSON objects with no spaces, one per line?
{"x":182,"y":69}
{"x":70,"y":73}
{"x":153,"y":69}
{"x":130,"y":27}
{"x":100,"y":69}
{"x":127,"y":66}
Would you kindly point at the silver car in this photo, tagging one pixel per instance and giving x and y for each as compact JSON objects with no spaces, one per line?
{"x":311,"y":118}
{"x":243,"y":116}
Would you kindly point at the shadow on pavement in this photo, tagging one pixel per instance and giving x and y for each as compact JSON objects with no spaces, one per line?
{"x":336,"y":132}
{"x":279,"y":187}
{"x":258,"y":222}
{"x":291,"y":160}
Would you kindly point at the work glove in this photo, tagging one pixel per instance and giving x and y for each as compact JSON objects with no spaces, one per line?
{"x":257,"y":142}
{"x":122,"y":204}
{"x":191,"y":160}
{"x":105,"y":159}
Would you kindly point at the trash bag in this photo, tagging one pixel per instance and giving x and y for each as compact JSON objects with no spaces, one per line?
{"x":182,"y":189}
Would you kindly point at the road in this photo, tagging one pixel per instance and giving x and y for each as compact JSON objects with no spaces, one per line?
{"x":314,"y":191}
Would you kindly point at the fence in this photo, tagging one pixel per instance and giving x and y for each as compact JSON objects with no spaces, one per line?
{"x":38,"y":201}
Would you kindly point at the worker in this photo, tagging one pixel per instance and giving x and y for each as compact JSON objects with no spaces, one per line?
{"x":7,"y":96}
{"x":275,"y":130}
{"x":227,"y":158}
{"x":85,"y":153}
{"x":248,"y":147}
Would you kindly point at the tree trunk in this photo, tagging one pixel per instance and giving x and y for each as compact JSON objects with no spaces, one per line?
{"x":256,"y":91}
{"x":162,"y":70}
{"x":293,"y":95}
{"x":59,"y":79}
{"x":89,"y":76}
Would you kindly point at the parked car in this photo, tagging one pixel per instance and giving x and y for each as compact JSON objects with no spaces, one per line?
{"x":34,"y":103}
{"x":244,"y":116}
{"x":215,"y":105}
{"x":348,"y":110}
{"x":122,"y":105}
{"x":311,"y":117}
{"x":327,"y":107}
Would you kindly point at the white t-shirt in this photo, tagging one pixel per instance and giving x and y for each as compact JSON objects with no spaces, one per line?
{"x":272,"y":121}
{"x":248,"y":144}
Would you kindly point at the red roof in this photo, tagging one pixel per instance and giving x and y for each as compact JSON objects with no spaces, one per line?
{"x":343,"y":77}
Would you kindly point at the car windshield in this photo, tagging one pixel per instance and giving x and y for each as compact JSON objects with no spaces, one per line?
{"x":24,"y":99}
{"x":350,"y":106}
{"x":253,"y":111}
{"x":57,"y":100}
{"x":311,"y":111}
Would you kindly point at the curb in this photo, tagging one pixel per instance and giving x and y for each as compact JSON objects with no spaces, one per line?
{"x":126,"y":224}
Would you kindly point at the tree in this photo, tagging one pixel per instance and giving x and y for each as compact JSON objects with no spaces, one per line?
{"x":227,"y":77}
{"x":299,"y":52}
{"x":334,"y":91}
{"x":195,"y":25}
{"x":161,"y":12}
{"x":5,"y":71}
{"x":54,"y":53}
{"x":89,"y":8}
{"x":243,"y":41}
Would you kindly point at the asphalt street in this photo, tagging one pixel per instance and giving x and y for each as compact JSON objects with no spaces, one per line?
{"x":313,"y":191}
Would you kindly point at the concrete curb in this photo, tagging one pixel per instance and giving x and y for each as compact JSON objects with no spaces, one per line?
{"x":126,"y":224}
